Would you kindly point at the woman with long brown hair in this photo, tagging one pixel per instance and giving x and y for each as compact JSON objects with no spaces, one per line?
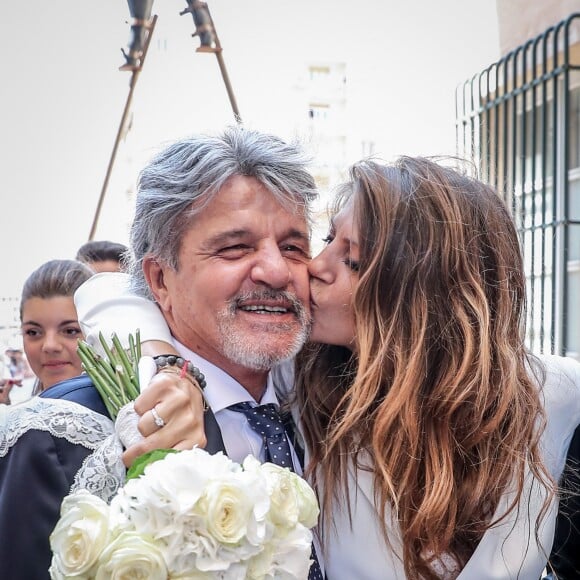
{"x":429,"y":411}
{"x":434,"y":438}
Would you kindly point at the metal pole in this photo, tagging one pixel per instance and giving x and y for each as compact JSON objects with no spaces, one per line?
{"x":132,"y":83}
{"x":223,"y":70}
{"x":217,"y":50}
{"x":229,"y":88}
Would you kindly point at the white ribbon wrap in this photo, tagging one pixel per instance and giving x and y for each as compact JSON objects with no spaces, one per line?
{"x":128,"y":419}
{"x":126,"y":426}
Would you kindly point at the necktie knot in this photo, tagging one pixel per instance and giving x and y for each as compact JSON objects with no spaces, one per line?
{"x":265,"y":420}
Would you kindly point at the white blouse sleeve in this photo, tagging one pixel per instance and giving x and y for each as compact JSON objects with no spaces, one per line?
{"x":105,"y":304}
{"x":561,"y":394}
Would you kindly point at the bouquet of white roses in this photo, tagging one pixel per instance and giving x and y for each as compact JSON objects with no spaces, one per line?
{"x":190,"y":515}
{"x":186,"y":514}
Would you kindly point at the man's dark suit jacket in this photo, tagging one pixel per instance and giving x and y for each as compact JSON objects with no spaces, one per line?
{"x":565,"y":557}
{"x":35,"y":476}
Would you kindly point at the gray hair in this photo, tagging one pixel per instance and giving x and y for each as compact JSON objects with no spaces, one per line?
{"x":183,"y":178}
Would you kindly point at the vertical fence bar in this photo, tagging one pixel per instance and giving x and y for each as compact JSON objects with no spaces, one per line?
{"x":555,"y":185}
{"x":565,"y":187}
{"x":533,"y":179}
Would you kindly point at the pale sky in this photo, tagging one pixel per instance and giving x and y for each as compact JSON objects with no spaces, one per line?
{"x":62,"y":94}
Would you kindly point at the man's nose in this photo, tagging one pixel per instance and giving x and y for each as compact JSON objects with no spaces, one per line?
{"x":271,"y":269}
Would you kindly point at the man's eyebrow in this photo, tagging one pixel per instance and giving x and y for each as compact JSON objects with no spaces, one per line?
{"x":230,"y":236}
{"x":225,"y":237}
{"x":300,"y":234}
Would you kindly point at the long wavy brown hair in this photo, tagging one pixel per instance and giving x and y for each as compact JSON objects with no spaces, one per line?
{"x":441,"y":392}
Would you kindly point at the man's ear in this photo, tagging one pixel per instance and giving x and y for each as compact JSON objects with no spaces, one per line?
{"x":154,"y":273}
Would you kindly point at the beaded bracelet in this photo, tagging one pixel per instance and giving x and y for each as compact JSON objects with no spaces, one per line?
{"x":166,"y":361}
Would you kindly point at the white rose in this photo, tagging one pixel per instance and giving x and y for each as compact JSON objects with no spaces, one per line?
{"x":79,"y":535}
{"x":293,"y":500}
{"x":56,"y":574}
{"x":291,"y":558}
{"x":307,"y":503}
{"x":235,"y":507}
{"x":229,"y":507}
{"x":284,"y":508}
{"x":131,"y":555}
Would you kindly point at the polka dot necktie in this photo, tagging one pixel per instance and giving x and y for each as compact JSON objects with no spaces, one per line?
{"x":266,"y":421}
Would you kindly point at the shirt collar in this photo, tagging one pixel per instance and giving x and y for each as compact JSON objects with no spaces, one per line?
{"x":222,"y":390}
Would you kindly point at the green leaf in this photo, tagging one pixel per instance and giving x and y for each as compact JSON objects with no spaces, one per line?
{"x":139,"y":465}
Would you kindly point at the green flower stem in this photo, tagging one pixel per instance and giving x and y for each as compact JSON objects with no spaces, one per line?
{"x":129,"y":368}
{"x":110,"y":389}
{"x":108,"y":352}
{"x":126,"y":387}
{"x":96,"y":361}
{"x":101,"y":383}
{"x":103,"y":365}
{"x":116,"y":375}
{"x":135,"y":346}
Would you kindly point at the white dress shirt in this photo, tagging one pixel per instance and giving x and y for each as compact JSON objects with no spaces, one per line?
{"x":221,"y":392}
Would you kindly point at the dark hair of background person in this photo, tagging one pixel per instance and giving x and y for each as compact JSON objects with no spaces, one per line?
{"x":96,"y":252}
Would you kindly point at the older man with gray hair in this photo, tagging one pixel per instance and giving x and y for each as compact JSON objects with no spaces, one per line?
{"x":220,"y":242}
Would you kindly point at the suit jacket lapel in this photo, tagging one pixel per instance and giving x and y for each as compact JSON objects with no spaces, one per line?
{"x":215,"y":442}
{"x":292,"y":433}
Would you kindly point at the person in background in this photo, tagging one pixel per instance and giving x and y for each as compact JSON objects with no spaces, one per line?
{"x":103,"y":255}
{"x":17,"y":364}
{"x":18,"y":374}
{"x":6,"y":385}
{"x":48,"y":321}
{"x":7,"y":382}
{"x":434,"y":438}
{"x":45,"y":440}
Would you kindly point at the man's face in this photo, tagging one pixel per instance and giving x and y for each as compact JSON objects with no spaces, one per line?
{"x":241,"y":295}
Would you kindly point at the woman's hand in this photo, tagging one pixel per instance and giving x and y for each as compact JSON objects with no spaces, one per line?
{"x":180,"y":405}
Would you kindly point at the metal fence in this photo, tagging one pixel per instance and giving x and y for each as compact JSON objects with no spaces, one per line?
{"x":519,"y":122}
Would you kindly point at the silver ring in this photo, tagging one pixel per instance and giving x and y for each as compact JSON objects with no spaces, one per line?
{"x":157,"y":418}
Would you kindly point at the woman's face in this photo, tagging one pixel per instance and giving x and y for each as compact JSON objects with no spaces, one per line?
{"x":50,"y":332}
{"x":334,"y":275}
